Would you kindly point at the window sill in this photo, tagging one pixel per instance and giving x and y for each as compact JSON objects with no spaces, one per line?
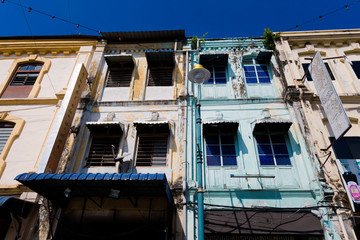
{"x":28,"y":101}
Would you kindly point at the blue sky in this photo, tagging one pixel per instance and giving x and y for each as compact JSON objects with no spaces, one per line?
{"x":221,"y":18}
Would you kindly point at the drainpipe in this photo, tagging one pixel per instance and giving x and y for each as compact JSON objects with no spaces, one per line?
{"x":185,"y":141}
{"x":199,"y":166}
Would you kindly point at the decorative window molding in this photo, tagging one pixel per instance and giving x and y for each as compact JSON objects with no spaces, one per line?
{"x":19,"y":124}
{"x":28,"y":60}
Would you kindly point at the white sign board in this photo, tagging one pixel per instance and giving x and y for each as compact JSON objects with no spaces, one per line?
{"x":330,"y":101}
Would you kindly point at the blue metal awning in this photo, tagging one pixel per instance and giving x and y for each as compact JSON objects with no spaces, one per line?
{"x":54,"y":186}
{"x":16,"y":206}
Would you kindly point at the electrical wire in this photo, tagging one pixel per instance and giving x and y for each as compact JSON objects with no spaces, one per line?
{"x":270,"y":208}
{"x":50,"y":15}
{"x":320,"y":17}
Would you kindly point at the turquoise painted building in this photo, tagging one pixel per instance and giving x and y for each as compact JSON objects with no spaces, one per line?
{"x":259,"y":180}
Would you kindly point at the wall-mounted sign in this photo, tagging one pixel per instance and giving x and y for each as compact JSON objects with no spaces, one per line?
{"x":350,"y":175}
{"x":61,"y":127}
{"x":330,"y":101}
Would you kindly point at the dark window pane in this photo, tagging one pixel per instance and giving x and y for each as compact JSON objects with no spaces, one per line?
{"x":210,"y":81}
{"x":305,"y":67}
{"x":262,"y":139}
{"x":280,"y":149}
{"x":251,"y":80}
{"x":249,"y":68}
{"x":212,"y":150}
{"x":213,"y":160}
{"x":266,"y":160}
{"x":250,"y":74}
{"x":19,"y":79}
{"x":220,"y":80}
{"x":277,"y":138}
{"x":282,"y":160}
{"x":229,"y":161}
{"x":264,"y":80}
{"x":23,"y":67}
{"x":263,"y":74}
{"x":212,"y":139}
{"x":261,"y":69}
{"x":228,"y":150}
{"x":347,"y":147}
{"x":329,"y":71}
{"x":31,"y":79}
{"x":227,"y":139}
{"x":356,"y":67}
{"x":264,"y":149}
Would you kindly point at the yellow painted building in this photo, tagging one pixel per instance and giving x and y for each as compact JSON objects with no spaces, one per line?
{"x":35,"y":76}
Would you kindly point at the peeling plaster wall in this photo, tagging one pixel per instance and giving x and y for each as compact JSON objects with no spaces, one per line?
{"x":294,"y":186}
{"x":138,"y":89}
{"x":294,"y":49}
{"x":126,"y":105}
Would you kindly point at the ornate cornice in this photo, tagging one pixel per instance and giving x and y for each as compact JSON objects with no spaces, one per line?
{"x":326,"y":38}
{"x":43,"y":47}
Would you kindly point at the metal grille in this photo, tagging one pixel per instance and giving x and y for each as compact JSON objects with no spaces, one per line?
{"x":100,"y":153}
{"x":5,"y":132}
{"x":119,"y":77}
{"x":152,"y":147}
{"x":160,"y":76}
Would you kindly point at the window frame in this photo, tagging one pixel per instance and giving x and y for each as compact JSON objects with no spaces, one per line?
{"x":256,"y":64}
{"x":269,"y":133}
{"x":123,"y":69}
{"x":327,"y":66}
{"x":357,"y":73}
{"x":14,"y":66}
{"x":27,"y":72}
{"x":152,"y":83}
{"x":103,"y":162}
{"x":104,"y":132}
{"x":140,"y":133}
{"x":219,"y":134}
{"x":213,"y":74}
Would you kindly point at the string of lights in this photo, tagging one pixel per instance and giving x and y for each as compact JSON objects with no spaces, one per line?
{"x":323,"y":15}
{"x":30,"y":9}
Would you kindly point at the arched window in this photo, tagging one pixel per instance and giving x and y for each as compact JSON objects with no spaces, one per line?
{"x":23,"y":80}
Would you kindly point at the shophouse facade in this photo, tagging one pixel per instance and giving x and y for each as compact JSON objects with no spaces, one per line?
{"x":260,"y":181}
{"x":340,"y":52}
{"x":115,"y":154}
{"x":121,"y":174}
{"x":36,"y":76}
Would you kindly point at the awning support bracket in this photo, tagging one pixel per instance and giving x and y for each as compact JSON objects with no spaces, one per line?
{"x":97,"y":204}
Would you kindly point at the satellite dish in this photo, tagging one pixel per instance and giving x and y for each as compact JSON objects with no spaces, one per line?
{"x":199,"y":74}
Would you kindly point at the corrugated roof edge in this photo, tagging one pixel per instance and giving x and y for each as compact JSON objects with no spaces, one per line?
{"x":144,"y":36}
